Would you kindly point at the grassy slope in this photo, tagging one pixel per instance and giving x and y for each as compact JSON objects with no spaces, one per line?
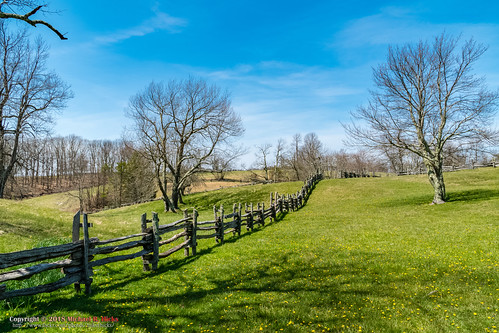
{"x":363,"y":255}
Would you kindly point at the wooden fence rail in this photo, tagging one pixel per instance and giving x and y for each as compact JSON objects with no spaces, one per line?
{"x":78,"y":268}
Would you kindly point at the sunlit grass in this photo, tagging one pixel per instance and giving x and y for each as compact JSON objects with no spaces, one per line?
{"x":364,"y":255}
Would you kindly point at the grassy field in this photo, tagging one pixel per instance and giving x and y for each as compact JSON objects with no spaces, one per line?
{"x":364,"y":255}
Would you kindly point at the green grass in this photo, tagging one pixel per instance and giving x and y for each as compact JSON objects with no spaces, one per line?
{"x":364,"y":255}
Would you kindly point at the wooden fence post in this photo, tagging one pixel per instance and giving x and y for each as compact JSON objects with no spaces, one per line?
{"x":145,"y":262}
{"x":263,"y":214}
{"x":258,"y":211}
{"x":271,"y":205}
{"x":156,"y":238}
{"x":219,"y":222}
{"x":222,"y":227}
{"x":239,"y":221}
{"x":86,"y":247}
{"x":76,"y":238}
{"x":281,"y":204}
{"x":250,"y":220}
{"x":187,"y":232}
{"x":194,"y":241}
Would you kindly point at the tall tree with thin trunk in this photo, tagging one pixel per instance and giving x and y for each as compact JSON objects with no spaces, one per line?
{"x":29,"y":95}
{"x":262,"y":154}
{"x":426,"y":97}
{"x":180,"y":124}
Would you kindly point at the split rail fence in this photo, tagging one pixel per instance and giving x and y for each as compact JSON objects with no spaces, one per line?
{"x":78,"y":267}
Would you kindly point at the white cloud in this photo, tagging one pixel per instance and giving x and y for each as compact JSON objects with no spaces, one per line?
{"x":160,"y":21}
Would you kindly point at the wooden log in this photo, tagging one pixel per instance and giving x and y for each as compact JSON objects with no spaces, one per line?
{"x":116,"y":248}
{"x":172,"y":228}
{"x":46,"y":288}
{"x":187,"y":232}
{"x":220,"y":225}
{"x":230,"y":225}
{"x":124,"y":257}
{"x":206,"y":236}
{"x":86,"y":247}
{"x":174,"y":249}
{"x":271,"y":203}
{"x":76,"y":238}
{"x":148,"y":246}
{"x":27,"y":272}
{"x":39,"y":254}
{"x":76,"y":227}
{"x":231,"y":215}
{"x":249,"y":225}
{"x":194,"y":242}
{"x":71,"y":270}
{"x":156,"y":239}
{"x":234,"y":220}
{"x":168,"y":227}
{"x":228,"y":231}
{"x":119,"y":239}
{"x":205,"y":222}
{"x":238,"y":228}
{"x":207,"y":228}
{"x":172,"y":239}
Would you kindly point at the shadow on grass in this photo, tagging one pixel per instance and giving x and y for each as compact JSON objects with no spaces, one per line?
{"x":407,"y":200}
{"x":273,"y":291}
{"x":84,"y":303}
{"x":473,"y":195}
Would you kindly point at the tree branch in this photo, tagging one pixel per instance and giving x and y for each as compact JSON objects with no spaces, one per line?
{"x":26,"y":18}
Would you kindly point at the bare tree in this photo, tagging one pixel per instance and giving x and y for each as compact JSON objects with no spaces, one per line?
{"x":427,"y":96}
{"x":279,"y":157}
{"x":295,"y":159}
{"x":222,"y":160}
{"x":30,"y":7}
{"x":29,"y":94}
{"x":312,"y":152}
{"x":180,"y":124}
{"x":262,"y":155}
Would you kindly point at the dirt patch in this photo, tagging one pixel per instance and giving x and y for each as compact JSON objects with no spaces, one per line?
{"x":214,"y":185}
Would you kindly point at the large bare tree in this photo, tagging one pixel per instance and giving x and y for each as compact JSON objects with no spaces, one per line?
{"x":180,"y":124}
{"x":29,"y":95}
{"x":9,"y":8}
{"x":427,"y":96}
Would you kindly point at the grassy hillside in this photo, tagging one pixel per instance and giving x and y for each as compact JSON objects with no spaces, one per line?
{"x":364,"y":255}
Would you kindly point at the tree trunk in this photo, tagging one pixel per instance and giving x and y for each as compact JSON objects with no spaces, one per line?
{"x":175,"y":195}
{"x":436,"y":178}
{"x":163,"y":188}
{"x":168,"y":204}
{"x":3,"y":183}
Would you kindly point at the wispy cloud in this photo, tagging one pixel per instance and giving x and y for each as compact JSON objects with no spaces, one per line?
{"x":279,"y":99}
{"x":398,"y":25}
{"x":160,"y":21}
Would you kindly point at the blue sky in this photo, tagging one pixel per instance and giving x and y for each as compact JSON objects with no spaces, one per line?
{"x":291,"y":66}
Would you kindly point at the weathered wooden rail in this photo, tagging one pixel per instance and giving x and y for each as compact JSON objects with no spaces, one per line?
{"x":87,"y":253}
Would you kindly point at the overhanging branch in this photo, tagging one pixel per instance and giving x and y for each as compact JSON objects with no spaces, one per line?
{"x":26,"y":18}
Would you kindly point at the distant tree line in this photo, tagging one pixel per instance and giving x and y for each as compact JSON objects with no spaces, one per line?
{"x":307,"y":155}
{"x":102,"y":173}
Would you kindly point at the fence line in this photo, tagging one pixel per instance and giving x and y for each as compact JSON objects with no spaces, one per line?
{"x":450,"y":168}
{"x":78,"y":268}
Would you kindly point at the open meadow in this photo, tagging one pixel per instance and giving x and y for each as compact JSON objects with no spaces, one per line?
{"x":363,"y":255}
